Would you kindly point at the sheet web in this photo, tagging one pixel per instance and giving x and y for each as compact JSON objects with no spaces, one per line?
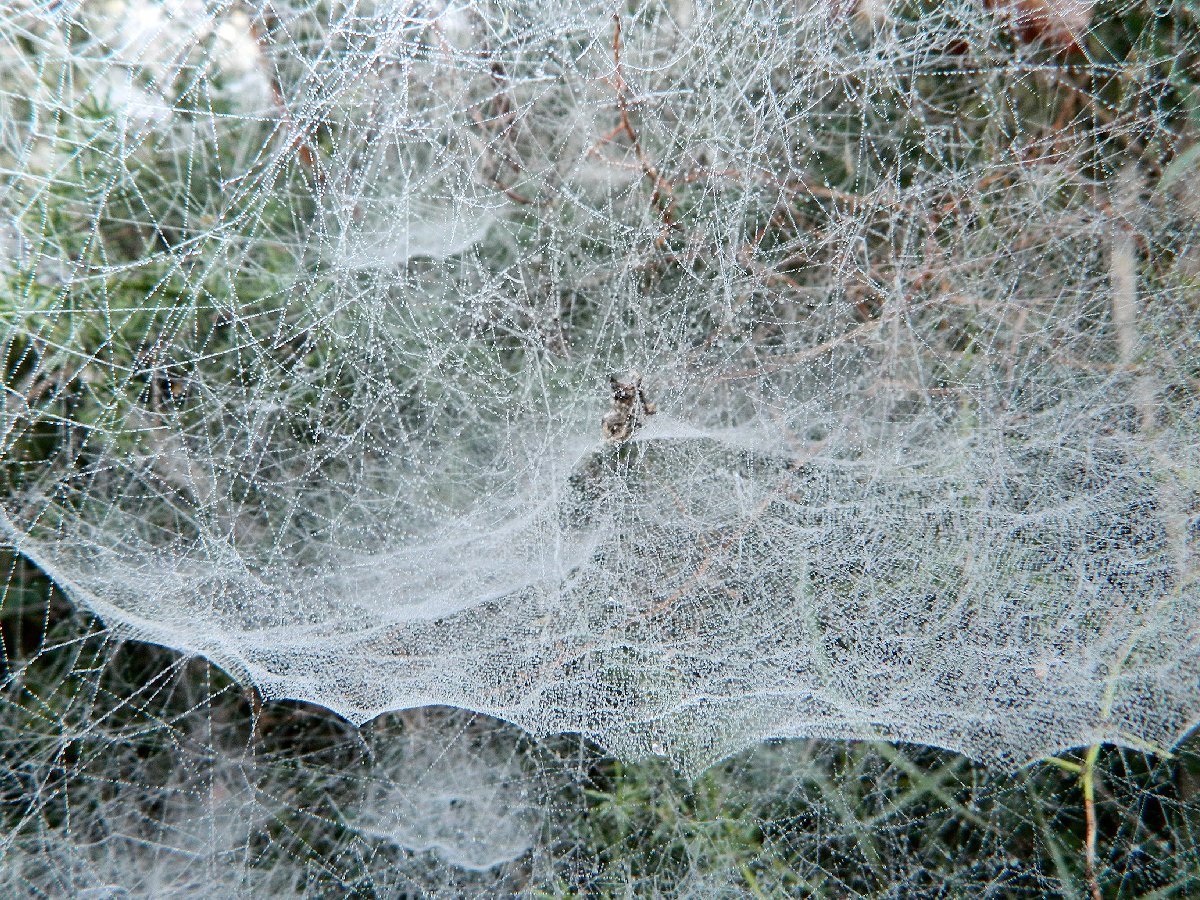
{"x":649,"y":384}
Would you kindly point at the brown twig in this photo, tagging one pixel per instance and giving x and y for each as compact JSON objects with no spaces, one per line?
{"x":775,"y":363}
{"x":661,"y":197}
{"x":299,"y":141}
{"x":256,"y":713}
{"x":795,"y":187}
{"x":502,"y":113}
{"x":1123,"y":282}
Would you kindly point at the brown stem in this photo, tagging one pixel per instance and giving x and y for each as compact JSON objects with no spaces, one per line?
{"x":498,"y":152}
{"x":661,"y":197}
{"x":1088,"y":779}
{"x":299,"y":142}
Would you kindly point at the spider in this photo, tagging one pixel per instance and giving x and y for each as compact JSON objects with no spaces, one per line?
{"x":629,"y":408}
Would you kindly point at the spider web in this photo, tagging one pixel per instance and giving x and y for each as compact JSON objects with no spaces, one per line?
{"x":314,"y":320}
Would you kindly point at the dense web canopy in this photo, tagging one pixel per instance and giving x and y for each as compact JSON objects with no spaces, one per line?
{"x":327,"y":302}
{"x":679,"y":375}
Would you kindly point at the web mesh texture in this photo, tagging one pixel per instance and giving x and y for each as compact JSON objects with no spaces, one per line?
{"x":683,"y":377}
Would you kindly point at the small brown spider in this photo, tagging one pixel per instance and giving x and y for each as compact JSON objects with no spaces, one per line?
{"x":629,"y":408}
